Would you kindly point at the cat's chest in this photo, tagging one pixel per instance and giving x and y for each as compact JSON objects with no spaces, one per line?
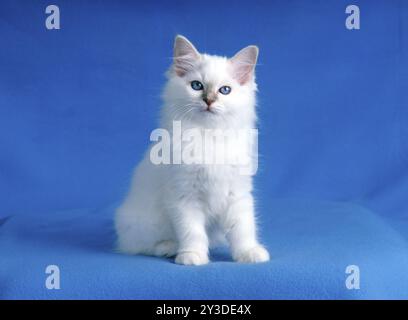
{"x":214,"y":176}
{"x":211,"y":170}
{"x":212,"y":187}
{"x":215,"y":182}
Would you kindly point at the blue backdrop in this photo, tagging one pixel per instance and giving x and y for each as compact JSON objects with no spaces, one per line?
{"x":77,"y":106}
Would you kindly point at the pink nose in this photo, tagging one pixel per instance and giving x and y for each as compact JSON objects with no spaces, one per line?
{"x":208,"y":101}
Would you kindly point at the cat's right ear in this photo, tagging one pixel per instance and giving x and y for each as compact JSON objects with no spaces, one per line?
{"x":185,"y":55}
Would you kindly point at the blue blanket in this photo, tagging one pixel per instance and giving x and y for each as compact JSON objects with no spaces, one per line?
{"x":77,"y":106}
{"x":312,"y":243}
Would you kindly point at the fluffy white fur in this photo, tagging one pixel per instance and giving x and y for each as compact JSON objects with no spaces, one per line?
{"x":178,"y":210}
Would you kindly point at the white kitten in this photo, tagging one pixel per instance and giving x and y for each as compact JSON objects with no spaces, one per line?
{"x":177,"y":209}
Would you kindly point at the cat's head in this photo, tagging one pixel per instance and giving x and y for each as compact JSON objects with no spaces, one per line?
{"x":208,"y":89}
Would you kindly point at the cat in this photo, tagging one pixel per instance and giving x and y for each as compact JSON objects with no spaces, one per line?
{"x":181,"y":209}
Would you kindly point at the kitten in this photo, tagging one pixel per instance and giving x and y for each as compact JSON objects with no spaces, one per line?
{"x":178,"y":209}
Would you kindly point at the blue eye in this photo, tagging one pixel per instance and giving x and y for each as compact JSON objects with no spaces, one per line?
{"x":225,"y":90}
{"x":197,"y":85}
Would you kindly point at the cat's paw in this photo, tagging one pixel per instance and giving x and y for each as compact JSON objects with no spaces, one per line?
{"x":254,"y":255}
{"x":167,"y":248}
{"x":192,"y":258}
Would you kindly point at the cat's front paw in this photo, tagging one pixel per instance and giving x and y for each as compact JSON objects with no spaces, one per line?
{"x":254,"y":255}
{"x":192,"y":258}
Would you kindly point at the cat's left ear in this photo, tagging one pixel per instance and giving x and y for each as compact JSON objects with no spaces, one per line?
{"x":243,"y":64}
{"x":185,"y":55}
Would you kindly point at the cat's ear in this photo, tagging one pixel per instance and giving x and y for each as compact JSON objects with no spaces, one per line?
{"x":243,"y":64}
{"x":185,"y":55}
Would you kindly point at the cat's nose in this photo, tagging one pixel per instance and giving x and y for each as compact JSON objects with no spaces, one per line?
{"x":208,"y":101}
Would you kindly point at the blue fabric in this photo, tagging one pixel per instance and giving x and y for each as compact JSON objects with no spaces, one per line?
{"x":77,"y":106}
